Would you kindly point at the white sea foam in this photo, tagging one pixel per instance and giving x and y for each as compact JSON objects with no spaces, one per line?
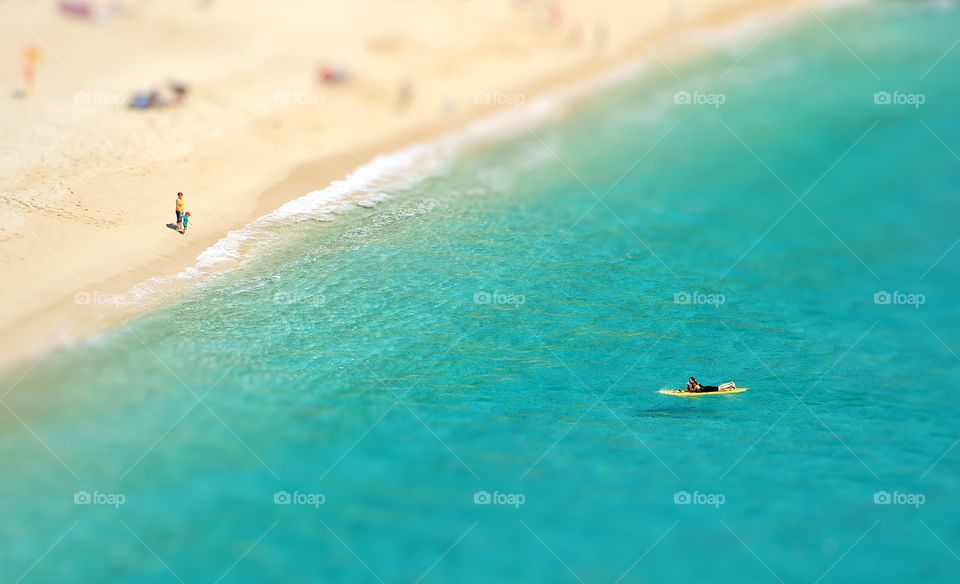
{"x":376,"y":178}
{"x":394,"y":170}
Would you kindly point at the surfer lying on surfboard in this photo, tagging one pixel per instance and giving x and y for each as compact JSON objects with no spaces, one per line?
{"x":693,"y":386}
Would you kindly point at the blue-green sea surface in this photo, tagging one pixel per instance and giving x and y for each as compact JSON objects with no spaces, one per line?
{"x":459,"y":384}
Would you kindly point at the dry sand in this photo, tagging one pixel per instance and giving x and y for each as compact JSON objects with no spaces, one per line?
{"x":87,"y":185}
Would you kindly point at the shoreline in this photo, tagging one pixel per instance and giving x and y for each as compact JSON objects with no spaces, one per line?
{"x":65,"y":321}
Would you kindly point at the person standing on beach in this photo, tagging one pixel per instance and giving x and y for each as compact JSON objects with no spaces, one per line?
{"x":31,"y":59}
{"x":180,"y":211}
{"x":404,"y":94}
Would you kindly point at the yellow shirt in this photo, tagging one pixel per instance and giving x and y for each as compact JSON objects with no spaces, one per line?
{"x":180,"y":205}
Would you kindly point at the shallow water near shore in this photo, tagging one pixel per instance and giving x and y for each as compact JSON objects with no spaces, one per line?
{"x":459,"y":383}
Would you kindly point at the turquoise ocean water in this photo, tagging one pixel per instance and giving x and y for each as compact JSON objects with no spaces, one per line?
{"x":498,"y":332}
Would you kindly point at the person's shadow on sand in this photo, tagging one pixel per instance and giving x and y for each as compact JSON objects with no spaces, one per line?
{"x":172,"y":226}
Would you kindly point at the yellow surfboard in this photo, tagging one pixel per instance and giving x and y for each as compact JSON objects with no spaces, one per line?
{"x":683,"y":393}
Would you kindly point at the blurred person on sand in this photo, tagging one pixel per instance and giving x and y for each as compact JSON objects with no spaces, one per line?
{"x":174,"y":96}
{"x":31,"y":58}
{"x":180,"y":212}
{"x":179,"y":92}
{"x":332,"y":74}
{"x":186,"y":220}
{"x":404,"y":94}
